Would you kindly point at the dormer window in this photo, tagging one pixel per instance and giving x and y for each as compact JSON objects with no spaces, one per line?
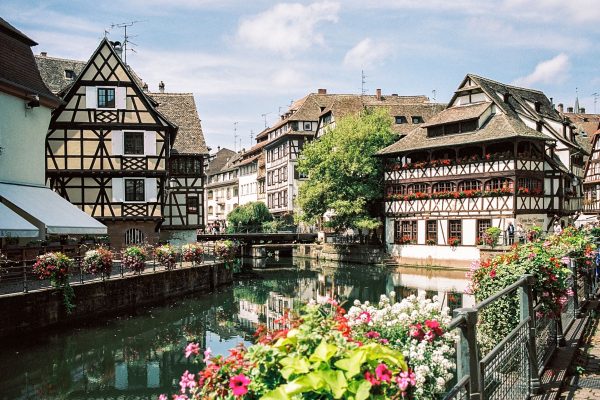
{"x":452,"y":128}
{"x":308,"y":126}
{"x":538,"y":106}
{"x":417,"y":119}
{"x":69,"y":74}
{"x":401,"y":119}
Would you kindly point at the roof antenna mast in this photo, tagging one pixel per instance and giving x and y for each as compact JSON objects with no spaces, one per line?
{"x":595,"y":95}
{"x":363,"y":81}
{"x":235,"y":135}
{"x":126,"y":40}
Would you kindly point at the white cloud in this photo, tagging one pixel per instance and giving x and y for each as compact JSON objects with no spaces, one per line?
{"x":563,"y":11}
{"x":287,"y":27}
{"x":367,"y":53}
{"x":553,"y":70}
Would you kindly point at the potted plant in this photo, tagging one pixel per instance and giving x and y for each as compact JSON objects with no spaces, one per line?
{"x":134,"y":258}
{"x":193,"y":252}
{"x":166,"y":255}
{"x":430,"y":242}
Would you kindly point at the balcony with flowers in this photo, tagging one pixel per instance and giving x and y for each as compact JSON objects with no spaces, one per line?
{"x":498,"y":157}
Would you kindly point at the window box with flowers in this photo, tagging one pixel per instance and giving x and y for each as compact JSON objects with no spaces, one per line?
{"x":452,"y":194}
{"x":56,"y":267}
{"x":524,"y":191}
{"x":454,"y":242}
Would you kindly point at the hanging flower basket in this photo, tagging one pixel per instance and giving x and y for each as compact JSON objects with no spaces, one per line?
{"x":166,"y":255}
{"x":98,"y":261}
{"x":134,"y":258}
{"x":56,"y":267}
{"x":193,"y":252}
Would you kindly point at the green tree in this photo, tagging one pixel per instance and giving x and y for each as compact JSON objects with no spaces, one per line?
{"x":250,"y":216}
{"x":344,"y":177}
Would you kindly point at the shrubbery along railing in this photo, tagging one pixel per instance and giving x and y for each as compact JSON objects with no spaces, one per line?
{"x":512,"y":369}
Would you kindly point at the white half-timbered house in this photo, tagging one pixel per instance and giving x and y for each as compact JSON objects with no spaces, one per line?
{"x":498,"y":154}
{"x":107,"y":149}
{"x":221,"y":187}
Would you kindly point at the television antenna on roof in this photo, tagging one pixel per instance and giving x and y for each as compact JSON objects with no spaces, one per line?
{"x":126,"y":37}
{"x":363,"y":81}
{"x":265,"y":117}
{"x":595,"y":95}
{"x":235,"y":135}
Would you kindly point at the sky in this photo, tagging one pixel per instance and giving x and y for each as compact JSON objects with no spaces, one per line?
{"x":246,"y":60}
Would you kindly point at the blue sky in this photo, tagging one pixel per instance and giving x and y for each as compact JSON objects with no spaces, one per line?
{"x":243,"y":59}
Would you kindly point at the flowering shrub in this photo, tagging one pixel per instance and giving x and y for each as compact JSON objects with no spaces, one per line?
{"x":227,"y":250}
{"x":193,"y":252}
{"x":98,"y":261}
{"x":134,"y":258}
{"x":417,"y":327}
{"x":314,"y":357}
{"x":55,"y":267}
{"x":490,"y":237}
{"x":166,"y":255}
{"x":545,"y":260}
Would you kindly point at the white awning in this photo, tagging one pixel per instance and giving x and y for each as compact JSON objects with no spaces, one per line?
{"x":13,"y":225}
{"x":57,"y":214}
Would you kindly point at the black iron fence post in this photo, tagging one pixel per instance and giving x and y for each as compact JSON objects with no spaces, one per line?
{"x":25,"y":288}
{"x":526,"y":303}
{"x":575,"y":288}
{"x":467,"y":352}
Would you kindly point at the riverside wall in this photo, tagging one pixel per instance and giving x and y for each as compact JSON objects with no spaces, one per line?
{"x":22,"y":313}
{"x":351,"y":253}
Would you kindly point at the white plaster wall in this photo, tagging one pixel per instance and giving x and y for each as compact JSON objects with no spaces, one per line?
{"x":421,"y":234}
{"x":469,"y":232}
{"x":435,"y":255}
{"x":22,"y":138}
{"x":248,"y":180}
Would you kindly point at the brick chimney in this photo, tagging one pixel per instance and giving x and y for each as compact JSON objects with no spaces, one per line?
{"x":561,"y":107}
{"x":582,"y":110}
{"x":569,"y":109}
{"x":322,"y":91}
{"x":43,"y":54}
{"x":161,"y":87}
{"x":378,"y":94}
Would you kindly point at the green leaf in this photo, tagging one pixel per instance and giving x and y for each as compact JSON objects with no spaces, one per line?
{"x":336,"y":381}
{"x":276,"y":394}
{"x":310,"y":382}
{"x":363,"y":390}
{"x":294,"y":365}
{"x":323,"y":352}
{"x":353,"y":363}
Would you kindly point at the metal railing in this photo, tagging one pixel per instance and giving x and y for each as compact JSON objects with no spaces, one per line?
{"x":512,"y":369}
{"x":18,"y":276}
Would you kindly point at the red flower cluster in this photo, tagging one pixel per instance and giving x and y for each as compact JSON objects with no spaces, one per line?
{"x":430,"y":331}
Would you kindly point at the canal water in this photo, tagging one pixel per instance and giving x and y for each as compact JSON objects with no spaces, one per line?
{"x":139,"y":356}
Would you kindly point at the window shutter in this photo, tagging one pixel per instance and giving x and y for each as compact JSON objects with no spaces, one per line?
{"x":91,"y":97}
{"x":117,"y":143}
{"x":151,"y":191}
{"x":150,"y":143}
{"x":118,"y":190}
{"x":121,"y":98}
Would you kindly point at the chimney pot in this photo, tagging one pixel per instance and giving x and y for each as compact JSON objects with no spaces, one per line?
{"x":582,"y":110}
{"x":569,"y":109}
{"x":378,"y":94}
{"x":43,"y":54}
{"x":561,"y":107}
{"x":145,"y":87}
{"x":161,"y":87}
{"x":394,"y":94}
{"x":322,"y":91}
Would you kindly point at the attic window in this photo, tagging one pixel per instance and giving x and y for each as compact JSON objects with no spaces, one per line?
{"x":417,"y":119}
{"x":401,"y":119}
{"x":69,"y":74}
{"x":538,"y":126}
{"x":453,"y":128}
{"x":538,"y":106}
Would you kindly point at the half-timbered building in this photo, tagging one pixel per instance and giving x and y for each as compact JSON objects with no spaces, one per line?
{"x":27,"y":207}
{"x":108,"y":148}
{"x":221,"y":180}
{"x":498,"y":154}
{"x":184,"y":207}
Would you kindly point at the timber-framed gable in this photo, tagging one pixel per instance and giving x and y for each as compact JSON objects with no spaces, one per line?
{"x":108,"y":148}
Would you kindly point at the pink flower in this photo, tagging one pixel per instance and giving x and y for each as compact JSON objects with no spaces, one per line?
{"x":383,"y":373}
{"x":493,"y":273}
{"x":239,"y":384}
{"x":207,"y":354}
{"x":384,"y":341}
{"x":187,"y":381}
{"x":531,"y":256}
{"x":372,"y":335}
{"x":364,"y":317}
{"x":371,"y":378}
{"x":566,"y":260}
{"x":180,"y":397}
{"x":162,"y":397}
{"x":192,"y":348}
{"x":406,"y":379}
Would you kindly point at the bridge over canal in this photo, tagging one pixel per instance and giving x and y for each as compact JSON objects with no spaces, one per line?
{"x":260,"y":238}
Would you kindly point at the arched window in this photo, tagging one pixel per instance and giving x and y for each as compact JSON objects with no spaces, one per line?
{"x":499,"y":183}
{"x":470,"y":184}
{"x":530,"y":185}
{"x":210,"y":210}
{"x":418,"y":188}
{"x":209,"y":196}
{"x":443,"y":187}
{"x":134,"y":236}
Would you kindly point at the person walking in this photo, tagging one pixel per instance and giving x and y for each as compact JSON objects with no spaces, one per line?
{"x":520,"y":233}
{"x":557,"y":228}
{"x":510,"y":231}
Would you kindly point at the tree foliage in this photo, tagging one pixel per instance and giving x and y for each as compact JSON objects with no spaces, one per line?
{"x":344,"y":177}
{"x":249,"y":216}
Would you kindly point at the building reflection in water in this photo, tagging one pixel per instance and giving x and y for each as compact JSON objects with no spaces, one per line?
{"x":141,"y":356}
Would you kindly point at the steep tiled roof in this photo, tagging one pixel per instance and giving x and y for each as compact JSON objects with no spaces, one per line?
{"x":459,"y":113}
{"x":219,"y":160}
{"x":500,"y":126}
{"x":17,"y":64}
{"x":180,"y":109}
{"x":53,"y":71}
